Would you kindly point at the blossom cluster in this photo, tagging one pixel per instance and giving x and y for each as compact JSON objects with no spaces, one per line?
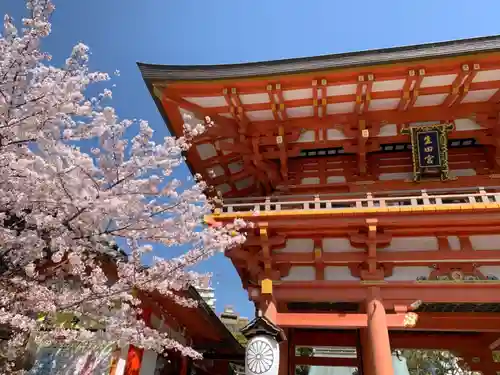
{"x":73,"y":185}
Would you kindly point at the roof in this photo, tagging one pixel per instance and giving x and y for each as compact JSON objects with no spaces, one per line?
{"x":272,"y":116}
{"x":209,"y":335}
{"x":151,"y":72}
{"x":214,"y":339}
{"x":227,"y":338}
{"x":263,"y":326}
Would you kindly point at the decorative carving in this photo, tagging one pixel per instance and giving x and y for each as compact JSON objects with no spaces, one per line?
{"x":360,"y":238}
{"x":411,"y":319}
{"x":382,"y":271}
{"x":377,"y":274}
{"x":260,"y":356}
{"x":463,"y":273}
{"x":457,"y":275}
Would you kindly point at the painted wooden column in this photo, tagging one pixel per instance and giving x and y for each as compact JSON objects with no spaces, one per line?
{"x":284,"y":354}
{"x":378,"y":333}
{"x":291,"y":351}
{"x":184,"y":365}
{"x":136,"y":355}
{"x":134,"y":359}
{"x":366,"y":351}
{"x":121,"y":362}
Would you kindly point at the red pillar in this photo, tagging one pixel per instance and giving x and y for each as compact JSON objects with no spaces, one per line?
{"x":134,"y":357}
{"x":284,"y":352}
{"x":366,"y":351}
{"x":379,"y":335}
{"x":184,"y":365}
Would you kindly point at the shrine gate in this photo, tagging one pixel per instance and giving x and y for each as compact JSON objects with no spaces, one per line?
{"x":373,"y":182}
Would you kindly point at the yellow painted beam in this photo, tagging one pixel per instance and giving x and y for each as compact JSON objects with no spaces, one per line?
{"x":349,"y":211}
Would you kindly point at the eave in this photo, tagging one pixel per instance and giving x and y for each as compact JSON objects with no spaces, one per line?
{"x":488,"y":44}
{"x":229,"y":341}
{"x":267,"y":114}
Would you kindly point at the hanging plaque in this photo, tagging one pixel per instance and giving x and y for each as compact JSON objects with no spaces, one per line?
{"x":429,"y":150}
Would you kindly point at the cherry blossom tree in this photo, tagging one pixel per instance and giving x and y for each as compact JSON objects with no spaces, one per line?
{"x":73,"y":184}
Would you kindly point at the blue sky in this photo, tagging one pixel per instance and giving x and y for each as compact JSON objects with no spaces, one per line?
{"x":120,"y":33}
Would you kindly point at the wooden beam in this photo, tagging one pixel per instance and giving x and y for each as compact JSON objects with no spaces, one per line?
{"x":334,"y":320}
{"x":373,"y":143}
{"x":414,"y":90}
{"x":390,"y":217}
{"x":470,"y":322}
{"x":227,"y":126}
{"x":431,"y":113}
{"x":399,"y":339}
{"x":326,"y":361}
{"x":352,"y":291}
{"x":434,"y":67}
{"x":453,"y":341}
{"x":402,"y":257}
{"x":369,"y":185}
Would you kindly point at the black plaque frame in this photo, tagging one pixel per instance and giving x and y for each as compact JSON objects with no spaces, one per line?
{"x":442,"y":169}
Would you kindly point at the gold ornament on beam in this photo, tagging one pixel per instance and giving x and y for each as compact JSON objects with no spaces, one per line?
{"x":410,"y":320}
{"x":266,"y":286}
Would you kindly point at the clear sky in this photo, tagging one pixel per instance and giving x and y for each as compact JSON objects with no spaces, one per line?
{"x":122,"y":32}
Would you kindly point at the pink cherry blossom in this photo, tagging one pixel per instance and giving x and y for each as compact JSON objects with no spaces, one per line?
{"x":72,"y":187}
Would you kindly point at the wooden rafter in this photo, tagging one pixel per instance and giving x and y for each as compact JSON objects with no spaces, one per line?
{"x":363,"y":136}
{"x":282,"y":144}
{"x":243,"y":144}
{"x":415,"y":92}
{"x":382,"y":72}
{"x":408,"y":87}
{"x":363,"y":93}
{"x":324,"y":97}
{"x":323,"y":291}
{"x":267,"y":147}
{"x":277,"y":102}
{"x":228,"y":176}
{"x":346,"y":98}
{"x":431,"y":113}
{"x":461,"y":84}
{"x":226,"y":126}
{"x":394,"y":257}
{"x":496,"y":97}
{"x":315,"y":98}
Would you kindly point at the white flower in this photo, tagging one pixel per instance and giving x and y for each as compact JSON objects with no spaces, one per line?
{"x":83,"y":179}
